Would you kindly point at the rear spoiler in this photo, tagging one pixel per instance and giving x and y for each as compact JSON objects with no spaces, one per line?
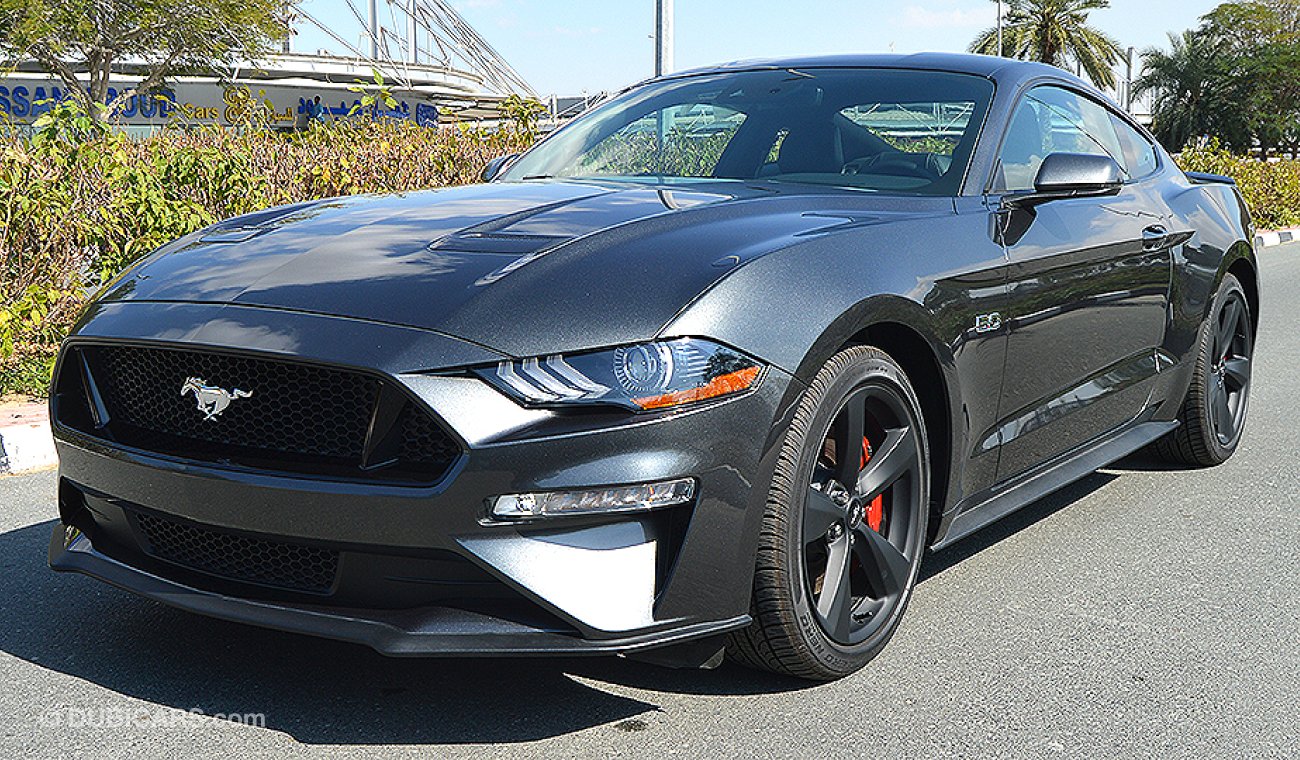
{"x":1202,"y":178}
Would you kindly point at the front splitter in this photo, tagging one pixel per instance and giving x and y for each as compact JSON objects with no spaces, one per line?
{"x":422,"y":632}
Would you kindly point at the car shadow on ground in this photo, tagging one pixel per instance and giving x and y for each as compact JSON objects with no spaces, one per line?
{"x":951,"y":556}
{"x":1145,"y":461}
{"x":326,"y":692}
{"x":317,"y":691}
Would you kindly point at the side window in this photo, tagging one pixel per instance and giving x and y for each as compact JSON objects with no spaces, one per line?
{"x":1023,"y":148}
{"x":1139,"y":153}
{"x":1054,"y":120}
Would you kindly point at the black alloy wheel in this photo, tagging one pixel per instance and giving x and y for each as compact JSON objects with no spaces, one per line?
{"x":845,"y":525}
{"x":859,"y":521}
{"x":1229,"y":385}
{"x":1212,"y":417}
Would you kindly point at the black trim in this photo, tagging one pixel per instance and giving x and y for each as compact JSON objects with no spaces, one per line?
{"x":431,"y":631}
{"x":1004,"y":499}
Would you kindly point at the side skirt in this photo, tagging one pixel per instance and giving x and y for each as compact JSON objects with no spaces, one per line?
{"x":1003,"y":500}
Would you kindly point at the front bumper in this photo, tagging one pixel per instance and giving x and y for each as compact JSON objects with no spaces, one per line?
{"x":430,"y":631}
{"x":421,"y":572}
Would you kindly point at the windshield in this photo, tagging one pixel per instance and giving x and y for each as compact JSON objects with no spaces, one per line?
{"x":882,"y":130}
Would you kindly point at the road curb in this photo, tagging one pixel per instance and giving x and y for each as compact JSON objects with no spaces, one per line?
{"x":1276,"y":237}
{"x":25,"y":440}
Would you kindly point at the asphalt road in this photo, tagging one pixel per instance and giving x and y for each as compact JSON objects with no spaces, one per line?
{"x":1143,"y":612}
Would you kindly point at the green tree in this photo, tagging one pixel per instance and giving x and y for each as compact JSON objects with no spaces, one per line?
{"x":1271,"y":78}
{"x":1261,"y":41}
{"x":524,"y":112}
{"x":1244,"y":25}
{"x":155,"y":38}
{"x":1236,"y":78}
{"x":1194,"y":91}
{"x":1055,"y":32}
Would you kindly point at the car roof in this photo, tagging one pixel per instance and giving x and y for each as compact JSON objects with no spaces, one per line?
{"x":1004,"y":71}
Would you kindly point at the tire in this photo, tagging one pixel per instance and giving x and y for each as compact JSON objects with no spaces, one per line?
{"x":826,"y":600}
{"x":1213,"y":414}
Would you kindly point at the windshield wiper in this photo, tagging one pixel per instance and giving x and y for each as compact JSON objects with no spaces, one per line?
{"x":540,"y":176}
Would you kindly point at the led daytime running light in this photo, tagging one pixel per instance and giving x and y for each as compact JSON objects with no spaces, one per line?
{"x":635,"y":498}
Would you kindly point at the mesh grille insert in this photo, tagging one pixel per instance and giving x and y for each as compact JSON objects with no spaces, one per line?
{"x":252,"y":560}
{"x":297,"y":417}
{"x":294,"y":408}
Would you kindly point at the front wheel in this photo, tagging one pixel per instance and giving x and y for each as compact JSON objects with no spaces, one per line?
{"x":845,"y":523}
{"x":1213,"y":414}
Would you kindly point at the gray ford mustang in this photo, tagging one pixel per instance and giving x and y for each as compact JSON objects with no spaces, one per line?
{"x":705,"y":372}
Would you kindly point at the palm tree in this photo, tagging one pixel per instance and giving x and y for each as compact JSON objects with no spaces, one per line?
{"x":1055,"y":32}
{"x":1190,"y":87}
{"x":1179,"y":83}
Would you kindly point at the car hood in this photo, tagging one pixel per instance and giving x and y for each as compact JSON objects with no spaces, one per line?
{"x":522,"y":268}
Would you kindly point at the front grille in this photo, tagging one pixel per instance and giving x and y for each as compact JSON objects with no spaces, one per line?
{"x":298,"y":418}
{"x":325,"y":415}
{"x":239,"y":558}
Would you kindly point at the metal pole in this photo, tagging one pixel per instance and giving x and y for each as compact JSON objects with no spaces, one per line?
{"x":999,"y":27}
{"x":374,"y":29}
{"x":412,"y":36}
{"x":663,"y":37}
{"x":287,"y":45}
{"x":1128,"y":79}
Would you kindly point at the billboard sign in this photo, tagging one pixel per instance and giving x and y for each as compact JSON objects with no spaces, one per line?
{"x":23,"y":98}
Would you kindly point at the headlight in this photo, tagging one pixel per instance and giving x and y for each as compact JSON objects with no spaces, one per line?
{"x":639,"y":377}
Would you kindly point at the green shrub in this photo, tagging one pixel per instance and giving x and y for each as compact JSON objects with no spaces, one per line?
{"x":28,"y":373}
{"x":77,"y":206}
{"x":1271,"y":188}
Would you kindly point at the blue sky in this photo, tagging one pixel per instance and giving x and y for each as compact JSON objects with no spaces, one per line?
{"x":568,"y":46}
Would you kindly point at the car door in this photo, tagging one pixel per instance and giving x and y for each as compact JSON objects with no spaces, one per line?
{"x":1089,"y":283}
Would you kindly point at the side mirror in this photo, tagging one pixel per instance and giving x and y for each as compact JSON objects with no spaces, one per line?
{"x":1070,"y":175}
{"x":496,"y":166}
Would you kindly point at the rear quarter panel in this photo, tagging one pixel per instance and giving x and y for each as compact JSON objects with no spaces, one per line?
{"x":1220,"y":237}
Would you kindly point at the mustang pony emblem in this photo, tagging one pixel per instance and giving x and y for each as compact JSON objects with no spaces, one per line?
{"x":212,"y":400}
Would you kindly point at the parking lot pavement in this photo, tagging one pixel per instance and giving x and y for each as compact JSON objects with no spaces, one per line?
{"x":1142,"y":612}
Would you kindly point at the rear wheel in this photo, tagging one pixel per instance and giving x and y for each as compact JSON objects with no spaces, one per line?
{"x":1213,"y":415}
{"x":845,"y":524}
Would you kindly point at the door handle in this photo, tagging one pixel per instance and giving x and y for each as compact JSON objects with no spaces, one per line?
{"x":1154,"y":237}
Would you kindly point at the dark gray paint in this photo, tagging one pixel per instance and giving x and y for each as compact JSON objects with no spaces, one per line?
{"x":428,"y":283}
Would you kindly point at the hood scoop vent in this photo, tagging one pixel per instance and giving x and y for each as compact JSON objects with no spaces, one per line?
{"x":232,"y":235}
{"x":497,"y":242}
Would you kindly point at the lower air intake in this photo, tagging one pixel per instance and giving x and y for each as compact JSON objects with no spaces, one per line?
{"x":240,"y":558}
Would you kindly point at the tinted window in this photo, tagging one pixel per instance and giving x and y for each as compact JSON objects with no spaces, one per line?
{"x":928,"y":133}
{"x":685,"y":140}
{"x":1053,"y":120}
{"x":867,"y":129}
{"x":1139,"y":153}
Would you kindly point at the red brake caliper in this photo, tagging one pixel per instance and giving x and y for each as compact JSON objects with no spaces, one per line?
{"x":876,"y":509}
